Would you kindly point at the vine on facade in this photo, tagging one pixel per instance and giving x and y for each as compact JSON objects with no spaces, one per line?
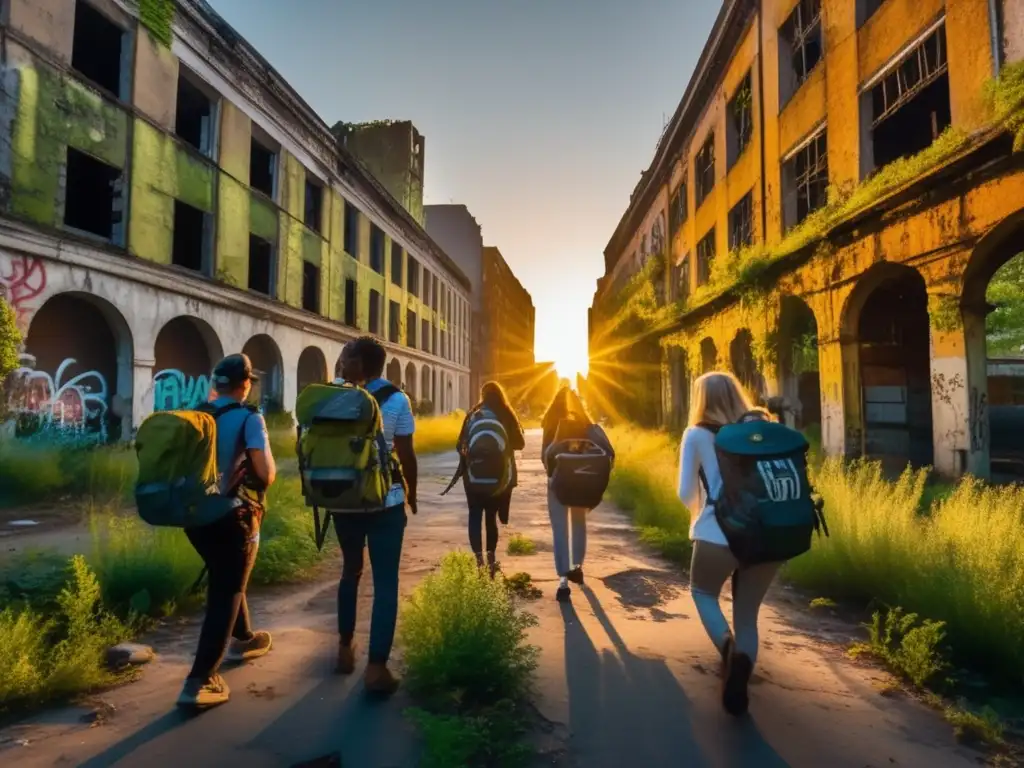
{"x":157,"y":16}
{"x":944,"y":313}
{"x":1005,"y":95}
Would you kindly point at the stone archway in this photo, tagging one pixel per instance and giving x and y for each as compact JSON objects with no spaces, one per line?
{"x":799,"y":369}
{"x":185,"y":351}
{"x":426,"y":394}
{"x":312,"y":368}
{"x":266,"y":362}
{"x":393,"y":373}
{"x":412,"y":381}
{"x":708,"y":355}
{"x":744,"y":366}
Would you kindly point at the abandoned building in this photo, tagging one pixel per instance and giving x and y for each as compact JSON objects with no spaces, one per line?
{"x":169,"y":198}
{"x":823,"y":214}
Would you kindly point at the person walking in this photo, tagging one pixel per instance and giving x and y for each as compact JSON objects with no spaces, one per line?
{"x":487,"y":510}
{"x":565,"y":409}
{"x":718,"y":400}
{"x":381,"y":531}
{"x":228,"y":546}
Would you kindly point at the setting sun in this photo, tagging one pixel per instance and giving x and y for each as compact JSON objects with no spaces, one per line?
{"x":570,"y":362}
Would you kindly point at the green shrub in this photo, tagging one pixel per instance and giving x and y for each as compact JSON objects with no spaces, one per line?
{"x":519,"y":545}
{"x":33,"y":579}
{"x":52,"y":658}
{"x":490,"y":737}
{"x":287,"y":545}
{"x":32,"y":472}
{"x":909,"y":647}
{"x":464,"y":638}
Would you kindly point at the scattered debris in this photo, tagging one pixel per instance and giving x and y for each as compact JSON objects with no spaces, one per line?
{"x":521,"y":584}
{"x":267,"y":692}
{"x":23,"y":523}
{"x":101,"y":713}
{"x":129,"y":655}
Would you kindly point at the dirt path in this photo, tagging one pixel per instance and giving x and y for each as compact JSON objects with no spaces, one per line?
{"x":627,"y":677}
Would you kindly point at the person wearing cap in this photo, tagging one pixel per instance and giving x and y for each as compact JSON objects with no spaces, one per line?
{"x":228,"y":546}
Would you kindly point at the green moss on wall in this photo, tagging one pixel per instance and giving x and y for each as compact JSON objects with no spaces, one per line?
{"x":312,"y":247}
{"x":944,"y":313}
{"x":289,"y":261}
{"x":157,"y":16}
{"x":264,"y":217}
{"x":194,"y":180}
{"x":232,"y":232}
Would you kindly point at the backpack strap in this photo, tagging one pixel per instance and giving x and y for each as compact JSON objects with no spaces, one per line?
{"x":383,"y":394}
{"x":713,"y":429}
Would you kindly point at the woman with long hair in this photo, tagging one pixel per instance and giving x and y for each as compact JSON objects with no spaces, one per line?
{"x":487,"y":511}
{"x":718,"y":400}
{"x":566,"y":405}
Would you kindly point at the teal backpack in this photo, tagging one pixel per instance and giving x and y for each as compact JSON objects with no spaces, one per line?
{"x":767,"y":508}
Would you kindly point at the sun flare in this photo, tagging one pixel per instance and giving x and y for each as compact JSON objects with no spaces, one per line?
{"x":571,"y":362}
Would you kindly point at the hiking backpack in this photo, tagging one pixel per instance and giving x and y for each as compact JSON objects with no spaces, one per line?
{"x":767,"y":508}
{"x":581,"y":458}
{"x":177,"y":484}
{"x":344,"y":460}
{"x":487,"y":455}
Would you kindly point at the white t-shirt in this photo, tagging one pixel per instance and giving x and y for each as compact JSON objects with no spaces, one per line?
{"x":698,"y":452}
{"x":396,"y":414}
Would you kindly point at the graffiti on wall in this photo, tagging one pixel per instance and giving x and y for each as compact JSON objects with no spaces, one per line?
{"x":979,"y":419}
{"x":60,"y":407}
{"x":174,"y":391}
{"x":22,"y":281}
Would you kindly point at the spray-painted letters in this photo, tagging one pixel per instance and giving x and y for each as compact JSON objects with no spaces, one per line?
{"x":52,"y":408}
{"x":173,"y":390}
{"x":22,"y":281}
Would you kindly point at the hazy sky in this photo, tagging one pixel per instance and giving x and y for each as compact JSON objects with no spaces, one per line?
{"x":539,"y":115}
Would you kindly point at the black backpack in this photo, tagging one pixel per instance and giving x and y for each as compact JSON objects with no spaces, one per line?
{"x":581,"y":463}
{"x":767,"y":508}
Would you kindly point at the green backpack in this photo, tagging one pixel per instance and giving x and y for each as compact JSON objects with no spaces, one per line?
{"x":344,"y":461}
{"x":178,"y":479}
{"x":767,"y":508}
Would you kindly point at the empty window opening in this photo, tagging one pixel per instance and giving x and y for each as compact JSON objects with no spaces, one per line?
{"x":350,"y":303}
{"x":351,"y":230}
{"x":394,"y":322}
{"x":805,"y":180}
{"x":739,"y":126}
{"x":375,"y":310}
{"x":94,"y":199}
{"x":910,"y":104}
{"x":261,"y":265}
{"x":704,"y":169}
{"x":866,"y":9}
{"x":705,"y":255}
{"x":310,"y":287}
{"x":433,"y":299}
{"x":681,"y":280}
{"x":741,"y":223}
{"x":191,"y":237}
{"x":426,"y":286}
{"x":262,"y":167}
{"x":410,"y":328}
{"x":313,"y":215}
{"x":412,"y":276}
{"x":376,"y":249}
{"x":195,"y":114}
{"x":99,"y":50}
{"x":800,"y":35}
{"x":425,"y":335}
{"x":677,"y":210}
{"x":396,"y":264}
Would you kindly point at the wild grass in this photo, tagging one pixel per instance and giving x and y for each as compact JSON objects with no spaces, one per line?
{"x":521,"y":546}
{"x":437,"y":434}
{"x":36,"y":472}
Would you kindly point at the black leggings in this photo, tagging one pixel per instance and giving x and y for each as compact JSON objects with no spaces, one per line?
{"x":483,"y":512}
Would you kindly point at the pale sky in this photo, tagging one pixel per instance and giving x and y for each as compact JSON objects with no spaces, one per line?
{"x":539,"y":115}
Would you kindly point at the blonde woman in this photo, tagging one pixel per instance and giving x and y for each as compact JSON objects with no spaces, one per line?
{"x":718,"y":400}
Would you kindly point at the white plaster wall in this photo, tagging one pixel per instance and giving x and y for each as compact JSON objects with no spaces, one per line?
{"x":950,"y":414}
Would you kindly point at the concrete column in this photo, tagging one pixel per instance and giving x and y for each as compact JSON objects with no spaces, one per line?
{"x":142,"y":393}
{"x":952,"y":402}
{"x":836,"y":391}
{"x":979,"y":457}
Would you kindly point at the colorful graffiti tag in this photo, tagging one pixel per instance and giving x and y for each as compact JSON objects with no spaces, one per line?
{"x":22,"y":280}
{"x":57,"y":407}
{"x":173,"y":390}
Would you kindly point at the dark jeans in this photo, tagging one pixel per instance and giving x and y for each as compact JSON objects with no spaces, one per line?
{"x":228,"y":548}
{"x":486,"y":511}
{"x":382,"y":533}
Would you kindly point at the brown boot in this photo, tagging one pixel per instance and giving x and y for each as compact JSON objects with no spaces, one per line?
{"x":346,"y":658}
{"x":379,"y":681}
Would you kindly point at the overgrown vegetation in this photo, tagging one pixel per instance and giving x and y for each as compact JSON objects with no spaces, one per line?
{"x":1006,"y":98}
{"x":469,"y":663}
{"x":438,"y":434}
{"x":10,"y":340}
{"x":34,"y":472}
{"x":1004,"y":326}
{"x":909,"y":646}
{"x":520,"y":545}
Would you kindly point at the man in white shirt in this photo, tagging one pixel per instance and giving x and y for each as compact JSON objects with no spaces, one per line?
{"x":381,"y":531}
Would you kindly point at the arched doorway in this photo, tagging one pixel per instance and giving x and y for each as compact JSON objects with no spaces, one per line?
{"x":266,"y":362}
{"x":312,"y":368}
{"x":993,"y":315}
{"x":185,"y":352}
{"x":887,"y":320}
{"x":708,"y":356}
{"x":426,"y":394}
{"x":394,"y":372}
{"x":75,"y":383}
{"x":679,"y":388}
{"x":741,"y":358}
{"x":412,"y":381}
{"x":798,"y":362}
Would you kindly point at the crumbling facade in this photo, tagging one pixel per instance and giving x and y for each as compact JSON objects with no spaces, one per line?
{"x":837,"y":188}
{"x":167,"y":198}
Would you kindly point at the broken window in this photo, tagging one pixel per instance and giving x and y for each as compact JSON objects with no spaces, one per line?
{"x":262,"y":167}
{"x":375,"y":309}
{"x":433,"y":300}
{"x":261,"y":265}
{"x":100,"y":50}
{"x":313,"y":215}
{"x":704,"y":169}
{"x":396,"y":264}
{"x":394,"y":323}
{"x":376,"y":249}
{"x":805,"y":180}
{"x":94,"y":199}
{"x":677,"y":210}
{"x":426,"y":286}
{"x":705,"y":255}
{"x":412,"y":276}
{"x":410,"y":328}
{"x":350,"y":303}
{"x":681,"y":280}
{"x":866,"y":9}
{"x":351,"y":230}
{"x":741,"y":223}
{"x":310,"y":287}
{"x":195,"y":113}
{"x":910,"y":103}
{"x":191,"y":237}
{"x":739,"y":125}
{"x":801,"y":35}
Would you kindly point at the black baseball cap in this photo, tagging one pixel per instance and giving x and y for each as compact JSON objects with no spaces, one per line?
{"x":233,"y":370}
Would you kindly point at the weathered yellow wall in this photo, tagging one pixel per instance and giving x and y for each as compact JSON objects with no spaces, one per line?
{"x":232,"y":252}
